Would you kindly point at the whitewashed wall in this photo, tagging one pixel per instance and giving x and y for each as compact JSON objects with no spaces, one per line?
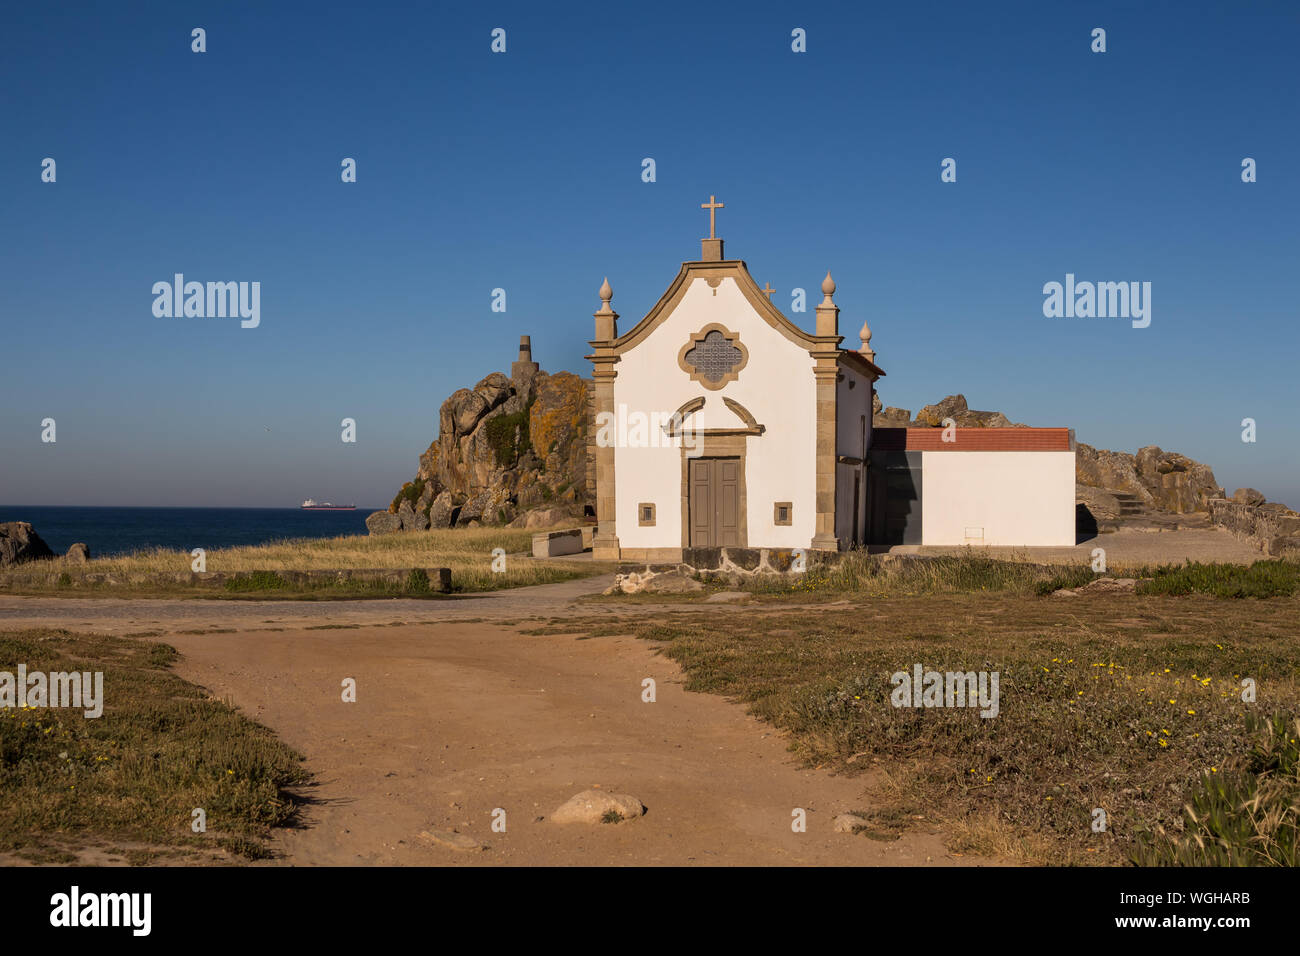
{"x":1015,"y":498}
{"x":776,"y":386}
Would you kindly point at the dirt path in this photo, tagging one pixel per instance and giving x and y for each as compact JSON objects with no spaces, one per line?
{"x":455,"y":720}
{"x":135,"y":615}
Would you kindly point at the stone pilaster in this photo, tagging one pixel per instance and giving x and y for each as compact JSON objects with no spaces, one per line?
{"x":825,"y":371}
{"x":605,"y":545}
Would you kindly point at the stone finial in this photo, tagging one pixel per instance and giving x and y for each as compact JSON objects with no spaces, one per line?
{"x":525,"y":348}
{"x":606,"y":318}
{"x":828,"y":288}
{"x":865,"y":335}
{"x":828,"y":313}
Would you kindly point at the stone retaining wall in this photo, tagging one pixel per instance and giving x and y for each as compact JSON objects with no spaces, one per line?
{"x":439,"y":578}
{"x":1271,"y":528}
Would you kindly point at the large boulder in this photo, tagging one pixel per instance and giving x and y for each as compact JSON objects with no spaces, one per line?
{"x":891,"y":417}
{"x":467,"y":409}
{"x":383,"y":522}
{"x":954,"y":407}
{"x":20,"y":543}
{"x":78,"y":553}
{"x":494,"y":389}
{"x":1248,"y":496}
{"x":597,"y":806}
{"x":1176,"y":482}
{"x":1111,"y":470}
{"x":933,"y":415}
{"x":411,"y":519}
{"x":441,"y":511}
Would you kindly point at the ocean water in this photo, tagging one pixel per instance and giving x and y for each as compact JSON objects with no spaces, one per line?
{"x":122,"y":530}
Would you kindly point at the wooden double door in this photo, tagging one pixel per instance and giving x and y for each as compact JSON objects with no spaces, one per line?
{"x":714,"y":490}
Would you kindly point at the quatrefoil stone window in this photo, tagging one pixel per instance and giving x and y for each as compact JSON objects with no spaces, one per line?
{"x":713,"y":357}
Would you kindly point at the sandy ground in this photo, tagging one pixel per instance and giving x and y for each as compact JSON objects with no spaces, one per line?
{"x":459,"y":714}
{"x":453,"y":721}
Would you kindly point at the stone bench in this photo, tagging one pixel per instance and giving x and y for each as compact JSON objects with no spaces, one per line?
{"x":554,"y":544}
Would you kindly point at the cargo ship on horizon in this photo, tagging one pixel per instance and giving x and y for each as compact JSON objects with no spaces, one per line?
{"x":311,"y":505}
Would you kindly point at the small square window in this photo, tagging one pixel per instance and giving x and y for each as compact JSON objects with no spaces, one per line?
{"x":783,"y":513}
{"x":645,"y":515}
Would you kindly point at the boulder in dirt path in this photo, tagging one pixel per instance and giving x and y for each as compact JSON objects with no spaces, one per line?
{"x":597,"y":806}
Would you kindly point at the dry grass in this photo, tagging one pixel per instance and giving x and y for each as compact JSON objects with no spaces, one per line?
{"x":1118,"y":702}
{"x":134,"y":775}
{"x":469,"y":552}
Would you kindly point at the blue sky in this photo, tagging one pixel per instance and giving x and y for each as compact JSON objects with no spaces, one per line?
{"x":522,"y":171}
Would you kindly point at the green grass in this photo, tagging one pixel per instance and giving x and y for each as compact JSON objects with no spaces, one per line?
{"x":1263,"y":579}
{"x":162,"y":748}
{"x":257,"y":581}
{"x":1248,"y":815}
{"x":859,"y":574}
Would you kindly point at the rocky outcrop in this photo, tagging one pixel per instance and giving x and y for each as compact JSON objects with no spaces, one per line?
{"x":954,"y":407}
{"x":1177,"y":483}
{"x":20,"y":543}
{"x":509,"y":446}
{"x":1162,"y":481}
{"x":933,"y":416}
{"x":1112,"y":471}
{"x":78,"y":553}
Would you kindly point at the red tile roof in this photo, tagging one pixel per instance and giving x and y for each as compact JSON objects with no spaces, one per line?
{"x":971,"y":439}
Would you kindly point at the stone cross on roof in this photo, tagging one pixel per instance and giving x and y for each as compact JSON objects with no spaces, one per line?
{"x":712,"y":206}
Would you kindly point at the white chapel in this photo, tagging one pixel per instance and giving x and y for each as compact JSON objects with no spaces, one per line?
{"x":760,"y":436}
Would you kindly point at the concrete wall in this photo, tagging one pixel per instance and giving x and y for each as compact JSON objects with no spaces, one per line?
{"x":1010,"y":498}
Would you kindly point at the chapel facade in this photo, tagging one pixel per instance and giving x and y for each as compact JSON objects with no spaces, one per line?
{"x":759,"y":430}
